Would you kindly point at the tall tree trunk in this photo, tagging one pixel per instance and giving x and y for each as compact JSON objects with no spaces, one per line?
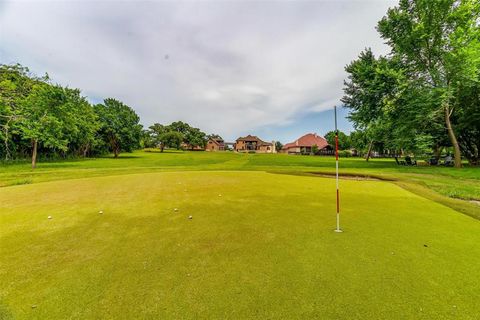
{"x":453,"y":138}
{"x":437,"y":151}
{"x":7,"y":150}
{"x":370,"y":146}
{"x":34,"y":153}
{"x":115,"y":146}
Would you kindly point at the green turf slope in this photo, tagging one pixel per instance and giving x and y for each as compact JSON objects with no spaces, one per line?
{"x":258,"y":245}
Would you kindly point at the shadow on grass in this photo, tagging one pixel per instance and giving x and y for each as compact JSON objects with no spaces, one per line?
{"x":165,"y":152}
{"x":120,"y":157}
{"x":19,"y":182}
{"x":347,"y":175}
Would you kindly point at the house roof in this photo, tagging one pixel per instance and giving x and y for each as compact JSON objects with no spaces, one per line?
{"x":259,"y":141}
{"x":216,"y":141}
{"x":250,"y":138}
{"x":308,"y":140}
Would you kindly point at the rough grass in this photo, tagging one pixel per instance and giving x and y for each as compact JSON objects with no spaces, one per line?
{"x":264,"y":249}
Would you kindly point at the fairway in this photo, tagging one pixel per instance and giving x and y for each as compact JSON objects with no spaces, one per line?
{"x":258,"y":246}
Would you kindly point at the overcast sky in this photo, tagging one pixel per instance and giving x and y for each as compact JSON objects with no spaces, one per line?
{"x":261,"y":67}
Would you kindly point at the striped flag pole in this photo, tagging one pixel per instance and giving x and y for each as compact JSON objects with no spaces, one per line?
{"x":336,"y":171}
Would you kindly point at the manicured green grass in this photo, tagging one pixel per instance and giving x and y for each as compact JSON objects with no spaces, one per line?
{"x":260,"y":243}
{"x":263,"y":249}
{"x":140,"y":161}
{"x":441,"y":184}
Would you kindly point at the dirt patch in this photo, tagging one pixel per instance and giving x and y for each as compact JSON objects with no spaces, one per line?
{"x":477,"y":202}
{"x":345,"y":177}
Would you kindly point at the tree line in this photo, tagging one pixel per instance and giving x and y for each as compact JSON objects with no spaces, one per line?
{"x":177,"y":135}
{"x":39,"y":119}
{"x":424,"y":96}
{"x":42,"y":119}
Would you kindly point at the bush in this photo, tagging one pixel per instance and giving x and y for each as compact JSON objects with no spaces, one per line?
{"x":344,"y":153}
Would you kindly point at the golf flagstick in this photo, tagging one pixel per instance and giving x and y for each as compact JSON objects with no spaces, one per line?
{"x":336,"y":171}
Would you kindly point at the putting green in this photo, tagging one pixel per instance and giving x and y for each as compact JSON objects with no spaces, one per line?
{"x":258,"y":245}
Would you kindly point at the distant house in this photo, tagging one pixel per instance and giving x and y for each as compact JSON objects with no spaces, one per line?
{"x":215,"y":145}
{"x":253,"y":144}
{"x":306,"y":143}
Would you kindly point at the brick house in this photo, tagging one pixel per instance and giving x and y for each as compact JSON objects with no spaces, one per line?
{"x":254,"y":144}
{"x":215,"y":145}
{"x":304,"y":145}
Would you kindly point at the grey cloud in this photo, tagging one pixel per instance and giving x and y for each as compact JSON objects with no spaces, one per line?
{"x":232,"y":67}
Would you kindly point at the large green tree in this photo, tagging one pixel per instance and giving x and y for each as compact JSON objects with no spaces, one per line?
{"x":179,"y":126}
{"x":372,"y":85}
{"x":194,"y":137}
{"x":156,"y":131}
{"x":16,"y":83}
{"x":344,"y":142}
{"x":119,"y":126}
{"x":46,"y":119}
{"x":468,"y":119}
{"x":437,"y":43}
{"x":39,"y":118}
{"x":171,"y":139}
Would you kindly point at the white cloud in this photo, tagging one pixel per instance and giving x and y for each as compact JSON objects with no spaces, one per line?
{"x":227,"y":67}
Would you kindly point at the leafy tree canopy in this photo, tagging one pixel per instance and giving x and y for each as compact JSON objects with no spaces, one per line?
{"x":344,"y":141}
{"x":119,"y":126}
